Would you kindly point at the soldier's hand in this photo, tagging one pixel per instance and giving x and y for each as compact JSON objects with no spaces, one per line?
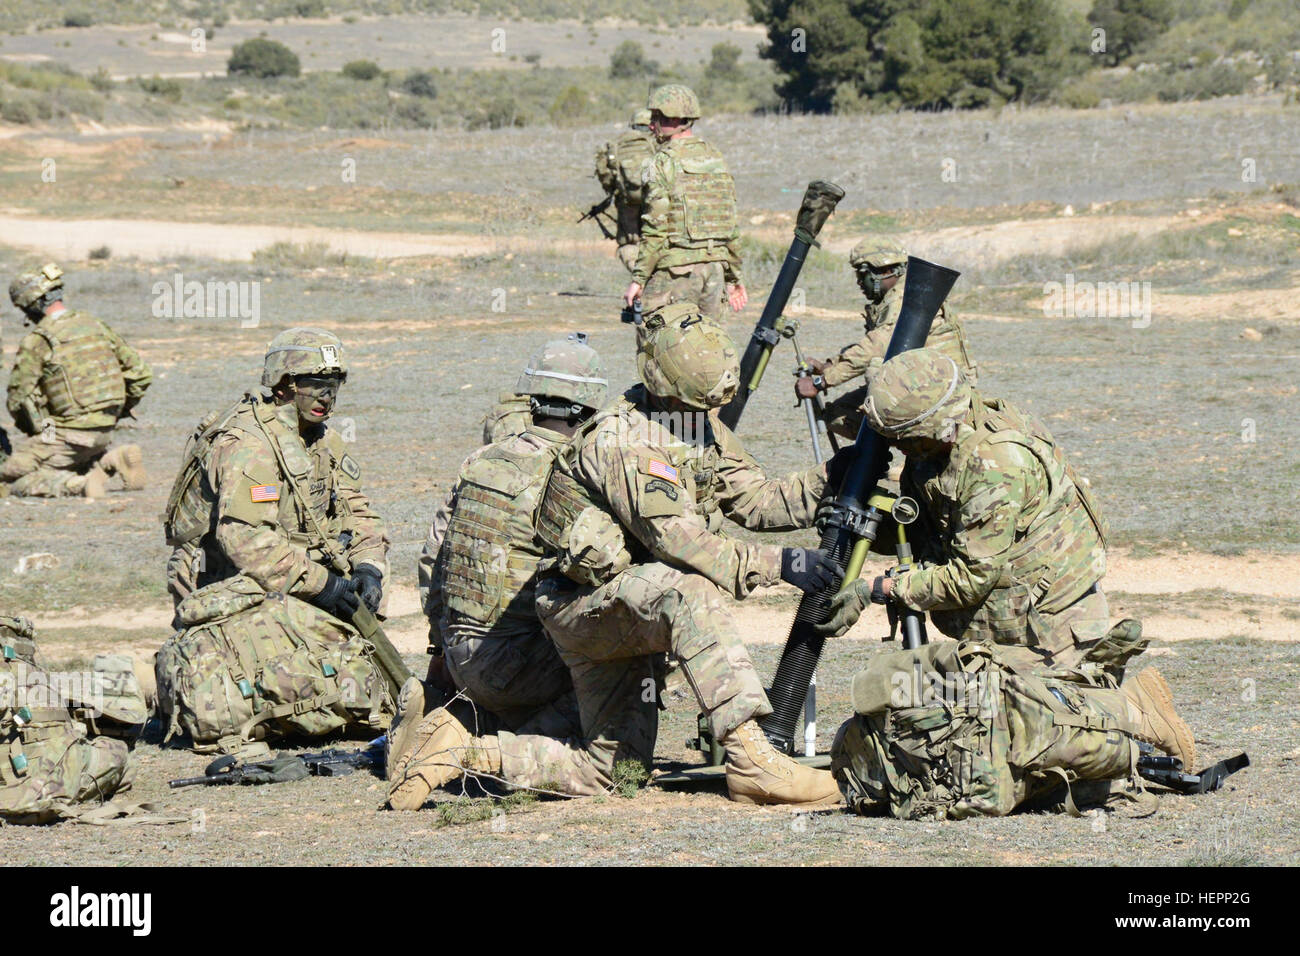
{"x":368,"y":582}
{"x":846,"y":608}
{"x":819,"y":366}
{"x":632,"y":294}
{"x":338,"y":597}
{"x":737,"y":296}
{"x":809,"y":569}
{"x":805,"y":387}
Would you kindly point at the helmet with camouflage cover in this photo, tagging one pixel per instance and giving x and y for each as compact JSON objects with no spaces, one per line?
{"x":684,"y":356}
{"x":31,"y":287}
{"x":877,"y":252}
{"x":303,"y":351}
{"x":675,"y":101}
{"x":566,"y":368}
{"x":920,"y":393}
{"x":640,"y":119}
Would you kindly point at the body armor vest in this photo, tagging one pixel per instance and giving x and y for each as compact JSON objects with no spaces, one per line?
{"x":493,"y":554}
{"x":82,"y":373}
{"x":703,"y":195}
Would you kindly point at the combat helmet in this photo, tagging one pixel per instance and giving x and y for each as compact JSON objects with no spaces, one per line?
{"x":640,"y":119}
{"x":567,"y":369}
{"x":33,"y":289}
{"x":675,"y":101}
{"x":920,"y":393}
{"x":876,"y":259}
{"x":303,"y":352}
{"x":683,"y":355}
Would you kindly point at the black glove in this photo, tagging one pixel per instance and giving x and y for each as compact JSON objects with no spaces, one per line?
{"x":337,"y":597}
{"x":809,"y":569}
{"x":838,"y":466}
{"x":367,"y":581}
{"x":878,"y":592}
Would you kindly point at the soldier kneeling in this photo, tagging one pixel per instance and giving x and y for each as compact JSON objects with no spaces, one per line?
{"x":276,"y":547}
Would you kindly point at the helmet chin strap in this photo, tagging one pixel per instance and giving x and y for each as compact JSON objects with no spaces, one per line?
{"x":570,"y":412}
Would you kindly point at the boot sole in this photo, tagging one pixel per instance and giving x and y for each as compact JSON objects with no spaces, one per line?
{"x":829,"y":800}
{"x":133,"y":473}
{"x":1154,"y":683}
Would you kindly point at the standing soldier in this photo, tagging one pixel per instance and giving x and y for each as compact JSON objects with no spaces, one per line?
{"x":689,"y":235}
{"x":271,"y":528}
{"x":620,"y":167}
{"x":881,"y":267}
{"x":73,"y":380}
{"x":644,"y":464}
{"x":480,"y":567}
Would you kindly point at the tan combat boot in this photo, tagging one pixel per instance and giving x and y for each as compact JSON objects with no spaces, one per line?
{"x":127,"y":461}
{"x":400,"y":743}
{"x":758,"y":773}
{"x":444,"y":750}
{"x":93,"y":484}
{"x":1151,"y":707}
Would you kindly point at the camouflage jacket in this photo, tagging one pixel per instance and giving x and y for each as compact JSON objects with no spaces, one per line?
{"x":689,"y":211}
{"x":261,"y":528}
{"x":1002,"y":515}
{"x":96,"y":378}
{"x":946,"y":335}
{"x":671,"y":494}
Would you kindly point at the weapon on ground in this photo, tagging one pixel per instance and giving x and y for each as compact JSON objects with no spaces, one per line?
{"x":595,"y":213}
{"x":856,"y":518}
{"x":285,"y":767}
{"x":818,"y":203}
{"x":1168,"y":771}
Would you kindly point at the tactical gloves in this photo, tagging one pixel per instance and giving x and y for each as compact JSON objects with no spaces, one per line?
{"x":367,"y":581}
{"x":809,"y":569}
{"x":337,"y":597}
{"x":847,"y":606}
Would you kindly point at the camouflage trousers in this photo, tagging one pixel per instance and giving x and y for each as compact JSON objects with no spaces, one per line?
{"x":698,"y":282}
{"x":514,"y":677}
{"x":949,"y":731}
{"x":1033,"y":637}
{"x":611,"y":637}
{"x":52,"y":465}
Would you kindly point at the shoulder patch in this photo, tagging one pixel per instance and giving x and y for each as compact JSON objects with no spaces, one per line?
{"x":660,"y":469}
{"x":260,"y":493}
{"x":349,"y":467}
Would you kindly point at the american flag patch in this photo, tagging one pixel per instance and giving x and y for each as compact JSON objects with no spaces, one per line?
{"x":264,"y":492}
{"x":662,"y":470}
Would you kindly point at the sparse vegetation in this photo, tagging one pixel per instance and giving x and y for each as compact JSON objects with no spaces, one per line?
{"x":363,"y":70}
{"x":263,"y":58}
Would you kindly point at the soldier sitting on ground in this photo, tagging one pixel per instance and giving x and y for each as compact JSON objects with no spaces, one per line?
{"x":276,"y":547}
{"x":479,"y":569}
{"x":73,"y":381}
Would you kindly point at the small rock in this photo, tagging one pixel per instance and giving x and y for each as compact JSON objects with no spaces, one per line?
{"x":40,"y":561}
{"x":1067,"y":211}
{"x":1235,"y":232}
{"x":1251,"y":335}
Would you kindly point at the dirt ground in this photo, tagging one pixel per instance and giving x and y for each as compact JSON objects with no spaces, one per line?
{"x":1182,"y":426}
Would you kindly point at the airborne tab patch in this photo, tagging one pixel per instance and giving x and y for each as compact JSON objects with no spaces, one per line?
{"x":662,"y":470}
{"x":264,"y":493}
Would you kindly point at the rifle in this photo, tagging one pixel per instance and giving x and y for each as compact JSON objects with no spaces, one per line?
{"x":818,"y":203}
{"x":391,"y":666}
{"x":1168,"y":771}
{"x":595,"y":212}
{"x":859,"y":510}
{"x":285,"y":767}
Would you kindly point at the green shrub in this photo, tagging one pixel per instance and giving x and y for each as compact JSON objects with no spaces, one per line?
{"x":20,"y":111}
{"x":628,"y":61}
{"x":570,"y":108}
{"x":99,"y":252}
{"x":414,"y":113}
{"x":420,"y":83}
{"x":78,"y":18}
{"x":263,"y":58}
{"x":363,"y":70}
{"x":724,"y":62}
{"x":169,"y":90}
{"x":102,"y":81}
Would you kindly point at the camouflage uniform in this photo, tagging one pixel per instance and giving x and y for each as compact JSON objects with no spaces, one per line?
{"x":1014,"y":542}
{"x":689,"y":233}
{"x":863,"y":358}
{"x":74,"y":378}
{"x":49,"y":768}
{"x":620,"y":169}
{"x":266,"y":513}
{"x":955,"y":730}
